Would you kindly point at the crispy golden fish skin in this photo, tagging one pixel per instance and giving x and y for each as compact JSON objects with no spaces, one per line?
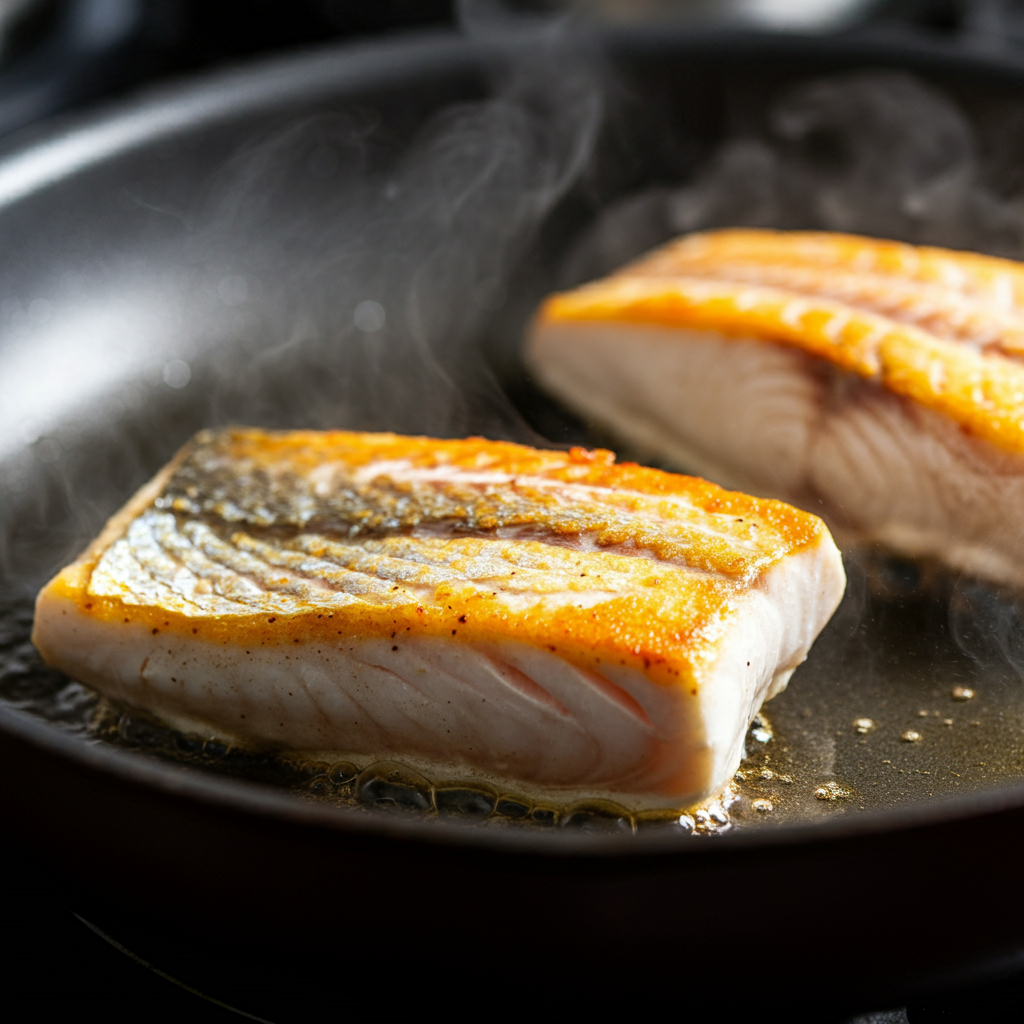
{"x":547,"y":618}
{"x":877,"y":383}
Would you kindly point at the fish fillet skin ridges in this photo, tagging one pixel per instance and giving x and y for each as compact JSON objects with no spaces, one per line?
{"x":879,"y":384}
{"x":545,"y":619}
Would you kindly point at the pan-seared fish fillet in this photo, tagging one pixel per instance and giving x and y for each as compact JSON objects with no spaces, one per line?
{"x":876,"y":383}
{"x":545,"y":617}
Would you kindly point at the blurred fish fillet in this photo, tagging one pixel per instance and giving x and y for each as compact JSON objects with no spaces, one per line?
{"x":544,"y":617}
{"x":878,"y":384}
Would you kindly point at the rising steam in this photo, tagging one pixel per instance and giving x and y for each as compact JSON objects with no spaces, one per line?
{"x":337,"y":271}
{"x":877,"y":153}
{"x":371,"y":299}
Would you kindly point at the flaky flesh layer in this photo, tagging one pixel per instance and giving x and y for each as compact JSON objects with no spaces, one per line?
{"x":466,"y":602}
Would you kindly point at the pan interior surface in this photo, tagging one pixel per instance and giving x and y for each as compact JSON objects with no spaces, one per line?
{"x":343,"y":241}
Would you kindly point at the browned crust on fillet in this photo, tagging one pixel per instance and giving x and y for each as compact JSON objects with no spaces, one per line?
{"x":956,"y":357}
{"x":74,"y":578}
{"x":668,"y":626}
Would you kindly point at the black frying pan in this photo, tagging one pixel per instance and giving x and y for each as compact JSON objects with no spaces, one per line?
{"x":197,"y":256}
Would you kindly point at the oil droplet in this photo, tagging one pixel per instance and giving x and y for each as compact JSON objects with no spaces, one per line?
{"x":342,"y":773}
{"x":471,"y":801}
{"x":922,"y":714}
{"x":863,"y":725}
{"x":598,"y":816}
{"x":947,"y":721}
{"x":390,"y":784}
{"x":762,"y":805}
{"x":767,"y":773}
{"x":510,"y":807}
{"x":662,"y":819}
{"x":713,"y":818}
{"x":320,"y":786}
{"x":962,"y":693}
{"x":761,"y":729}
{"x":911,"y":736}
{"x":831,"y":791}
